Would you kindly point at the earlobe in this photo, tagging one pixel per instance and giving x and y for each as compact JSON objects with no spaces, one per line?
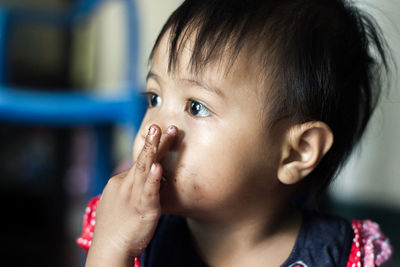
{"x":303,"y":148}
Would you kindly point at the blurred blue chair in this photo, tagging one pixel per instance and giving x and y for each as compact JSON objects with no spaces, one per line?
{"x":21,"y":106}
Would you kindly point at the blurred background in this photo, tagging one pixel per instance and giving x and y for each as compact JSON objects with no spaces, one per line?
{"x":69,"y":73}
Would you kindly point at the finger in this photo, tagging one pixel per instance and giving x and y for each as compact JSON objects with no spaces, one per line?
{"x":121,"y":175}
{"x":166,"y":142}
{"x":151,"y":187}
{"x":127,"y":178}
{"x":147,"y":156}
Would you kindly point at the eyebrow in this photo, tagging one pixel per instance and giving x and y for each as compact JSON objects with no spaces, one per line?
{"x":202,"y":84}
{"x":152,"y":75}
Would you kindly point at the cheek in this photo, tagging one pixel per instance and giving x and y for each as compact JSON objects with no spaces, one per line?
{"x":194,"y":163}
{"x":212,"y":166}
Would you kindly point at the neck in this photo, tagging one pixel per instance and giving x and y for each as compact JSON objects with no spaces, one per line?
{"x":260,"y":234}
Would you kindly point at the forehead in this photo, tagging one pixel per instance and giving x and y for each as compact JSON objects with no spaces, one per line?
{"x":223,"y":71}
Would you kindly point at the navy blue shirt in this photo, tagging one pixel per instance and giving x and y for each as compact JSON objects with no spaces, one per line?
{"x":323,"y":241}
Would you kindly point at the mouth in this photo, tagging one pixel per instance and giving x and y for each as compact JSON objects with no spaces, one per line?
{"x":166,"y":178}
{"x":164,"y":181}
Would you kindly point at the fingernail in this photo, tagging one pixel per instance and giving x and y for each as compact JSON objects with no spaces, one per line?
{"x":153,"y":167}
{"x":152,"y":130}
{"x":171,"y":129}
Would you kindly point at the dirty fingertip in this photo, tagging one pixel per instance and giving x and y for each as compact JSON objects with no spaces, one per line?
{"x":172,"y":130}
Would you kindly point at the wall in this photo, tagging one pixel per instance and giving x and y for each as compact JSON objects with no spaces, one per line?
{"x":152,"y":14}
{"x":100,"y":44}
{"x":373,"y":172}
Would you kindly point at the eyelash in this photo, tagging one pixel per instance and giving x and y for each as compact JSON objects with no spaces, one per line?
{"x":192,"y":105}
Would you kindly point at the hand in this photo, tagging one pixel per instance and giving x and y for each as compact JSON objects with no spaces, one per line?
{"x":129,"y":208}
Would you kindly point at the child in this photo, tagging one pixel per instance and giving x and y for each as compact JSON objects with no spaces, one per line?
{"x":251,"y":103}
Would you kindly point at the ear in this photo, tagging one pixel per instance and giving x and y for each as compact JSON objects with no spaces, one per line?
{"x":303,"y":148}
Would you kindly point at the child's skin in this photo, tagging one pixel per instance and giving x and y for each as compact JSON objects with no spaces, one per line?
{"x":230,"y":176}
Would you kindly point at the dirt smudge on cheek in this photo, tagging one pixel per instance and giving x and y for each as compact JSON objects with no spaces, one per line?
{"x":196,"y":190}
{"x":176,"y":178}
{"x":186,"y":184}
{"x":179,"y":174}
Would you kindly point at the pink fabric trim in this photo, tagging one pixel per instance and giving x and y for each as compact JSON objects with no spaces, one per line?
{"x":370,"y":247}
{"x":89,"y":221}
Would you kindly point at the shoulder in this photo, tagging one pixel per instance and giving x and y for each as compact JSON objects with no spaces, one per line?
{"x":315,"y":223}
{"x":89,"y":221}
{"x":324,"y":240}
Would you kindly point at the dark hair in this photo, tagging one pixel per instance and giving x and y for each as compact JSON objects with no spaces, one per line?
{"x":318,"y":54}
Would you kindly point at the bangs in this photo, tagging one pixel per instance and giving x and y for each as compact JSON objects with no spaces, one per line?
{"x":213,"y":35}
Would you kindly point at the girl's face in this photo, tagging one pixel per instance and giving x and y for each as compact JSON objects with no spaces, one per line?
{"x":224,"y":160}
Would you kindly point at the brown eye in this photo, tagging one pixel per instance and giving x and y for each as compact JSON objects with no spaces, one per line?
{"x":198,"y":109}
{"x":154,"y":100}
